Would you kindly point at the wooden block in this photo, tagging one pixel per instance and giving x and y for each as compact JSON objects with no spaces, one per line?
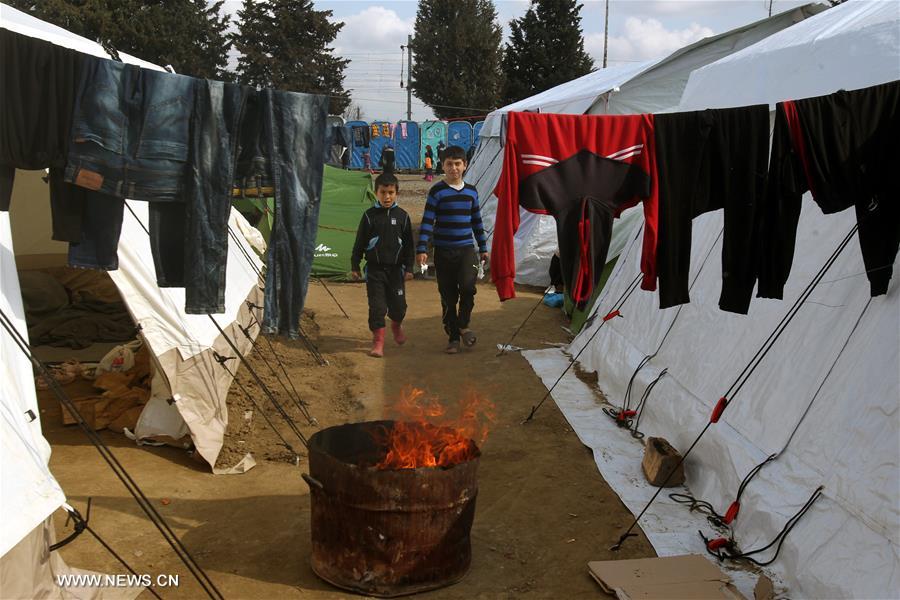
{"x":660,"y":458}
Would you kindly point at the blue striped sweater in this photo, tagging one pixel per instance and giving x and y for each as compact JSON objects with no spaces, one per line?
{"x":451,"y":218}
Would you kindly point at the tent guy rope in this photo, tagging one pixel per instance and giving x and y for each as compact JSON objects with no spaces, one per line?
{"x":158,"y":521}
{"x":743,"y":376}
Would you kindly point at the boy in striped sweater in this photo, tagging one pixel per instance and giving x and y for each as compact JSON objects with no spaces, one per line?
{"x":452,"y":217}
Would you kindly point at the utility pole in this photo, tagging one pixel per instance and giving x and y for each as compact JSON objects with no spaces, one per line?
{"x":408,"y":78}
{"x":606,"y":32}
{"x":770,"y":7}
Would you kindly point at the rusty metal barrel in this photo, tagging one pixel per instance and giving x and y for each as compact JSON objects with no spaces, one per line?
{"x":386,"y":532}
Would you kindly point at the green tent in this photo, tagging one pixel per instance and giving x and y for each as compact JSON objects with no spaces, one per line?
{"x":345,"y":195}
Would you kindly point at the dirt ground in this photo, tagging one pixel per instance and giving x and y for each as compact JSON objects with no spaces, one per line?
{"x":543,"y":510}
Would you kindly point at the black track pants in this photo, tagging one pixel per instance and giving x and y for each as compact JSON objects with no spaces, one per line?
{"x":386,"y":290}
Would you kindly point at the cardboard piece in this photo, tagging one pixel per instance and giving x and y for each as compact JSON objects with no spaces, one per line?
{"x":690,"y":576}
{"x":764,"y":590}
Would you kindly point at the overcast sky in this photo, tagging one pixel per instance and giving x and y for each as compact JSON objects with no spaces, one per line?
{"x":638,"y":30}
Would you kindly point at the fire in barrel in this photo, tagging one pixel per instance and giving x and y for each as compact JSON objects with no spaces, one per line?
{"x":393,"y":501}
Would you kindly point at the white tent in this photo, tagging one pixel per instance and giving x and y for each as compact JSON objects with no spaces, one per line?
{"x":653,"y":86}
{"x":181,"y":346}
{"x":181,"y":343}
{"x":827,"y":396}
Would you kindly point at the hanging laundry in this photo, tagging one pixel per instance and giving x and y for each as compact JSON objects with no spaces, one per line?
{"x":39,"y":82}
{"x":172,"y":140}
{"x":130,"y":138}
{"x":583,"y":193}
{"x":707,"y":160}
{"x":536,"y":142}
{"x":294,"y":144}
{"x":843,"y":149}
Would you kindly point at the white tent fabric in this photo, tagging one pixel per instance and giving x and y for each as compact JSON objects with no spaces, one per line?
{"x":181,"y":344}
{"x":841,"y":48}
{"x":28,"y":491}
{"x":827,"y":396}
{"x":653,"y":86}
{"x":29,"y":494}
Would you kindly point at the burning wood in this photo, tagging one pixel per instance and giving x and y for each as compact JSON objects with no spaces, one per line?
{"x":425,"y":435}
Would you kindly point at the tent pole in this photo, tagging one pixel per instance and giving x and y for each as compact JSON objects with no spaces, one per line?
{"x":606,"y":30}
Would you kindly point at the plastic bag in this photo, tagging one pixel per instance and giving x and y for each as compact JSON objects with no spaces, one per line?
{"x":119,"y":359}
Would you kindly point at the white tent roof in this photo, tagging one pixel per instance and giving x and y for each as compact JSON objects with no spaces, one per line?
{"x":850,"y":46}
{"x":827,"y":396}
{"x":572,"y":98}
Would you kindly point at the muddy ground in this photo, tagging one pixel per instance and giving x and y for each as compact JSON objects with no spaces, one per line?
{"x":543,"y":511}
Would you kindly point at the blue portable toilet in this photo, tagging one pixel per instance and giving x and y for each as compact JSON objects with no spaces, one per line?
{"x":459,"y":133}
{"x":359,"y":135}
{"x":380,"y":135}
{"x":406,"y":145}
{"x":432,"y":133}
{"x":476,"y":131}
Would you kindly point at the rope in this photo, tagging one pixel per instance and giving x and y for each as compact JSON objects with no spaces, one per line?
{"x":534,"y":308}
{"x":311,"y":347}
{"x":320,"y":280}
{"x":81,"y":525}
{"x":611,"y":315}
{"x":221,"y":360}
{"x":260,"y":383}
{"x":744,"y":376}
{"x":726,"y":548}
{"x":625,"y":412}
{"x":246,"y":255}
{"x":246,"y":333}
{"x":292,"y":393}
{"x":735,"y":507}
{"x":158,"y":521}
{"x":700,"y":506}
{"x":635,"y":433}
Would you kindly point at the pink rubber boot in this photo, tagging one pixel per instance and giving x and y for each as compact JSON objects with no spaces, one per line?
{"x":377,"y":343}
{"x":399,"y":335}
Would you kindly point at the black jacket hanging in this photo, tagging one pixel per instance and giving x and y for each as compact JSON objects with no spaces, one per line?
{"x":583,"y":193}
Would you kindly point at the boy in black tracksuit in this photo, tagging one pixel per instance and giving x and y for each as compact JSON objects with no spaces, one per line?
{"x":385,"y":238}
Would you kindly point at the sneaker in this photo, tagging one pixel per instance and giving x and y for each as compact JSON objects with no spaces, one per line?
{"x":468,"y":338}
{"x":452,"y":347}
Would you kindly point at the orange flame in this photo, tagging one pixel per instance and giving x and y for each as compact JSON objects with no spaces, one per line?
{"x":425,"y":436}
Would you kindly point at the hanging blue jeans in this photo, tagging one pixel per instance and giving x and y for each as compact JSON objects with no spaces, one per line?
{"x":283,"y":139}
{"x":255,"y":139}
{"x":130,"y":139}
{"x":218,"y":111}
